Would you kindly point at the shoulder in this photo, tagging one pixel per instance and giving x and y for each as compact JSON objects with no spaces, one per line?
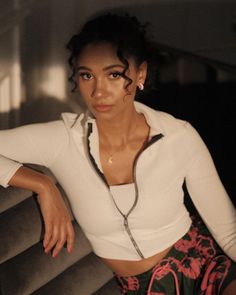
{"x":170,"y":126}
{"x":37,"y":129}
{"x":169,"y":123}
{"x":161,"y":121}
{"x":183,"y":129}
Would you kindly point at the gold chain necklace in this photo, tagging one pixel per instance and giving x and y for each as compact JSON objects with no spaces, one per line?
{"x":110,"y":158}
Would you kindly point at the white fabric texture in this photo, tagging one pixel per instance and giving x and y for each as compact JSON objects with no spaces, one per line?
{"x":160,"y":217}
{"x":124,"y":196}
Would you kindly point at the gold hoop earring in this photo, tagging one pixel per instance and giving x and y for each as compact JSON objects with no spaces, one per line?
{"x":140,"y":86}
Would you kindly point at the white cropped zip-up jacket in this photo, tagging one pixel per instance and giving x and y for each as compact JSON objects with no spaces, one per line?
{"x":69,"y":148}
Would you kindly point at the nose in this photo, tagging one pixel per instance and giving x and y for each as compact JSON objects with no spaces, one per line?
{"x":99,"y":89}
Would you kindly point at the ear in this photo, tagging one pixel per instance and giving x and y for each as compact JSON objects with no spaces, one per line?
{"x":142,"y":72}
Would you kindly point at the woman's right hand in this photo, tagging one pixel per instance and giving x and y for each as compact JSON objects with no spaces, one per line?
{"x":57,"y":220}
{"x":58,"y":226}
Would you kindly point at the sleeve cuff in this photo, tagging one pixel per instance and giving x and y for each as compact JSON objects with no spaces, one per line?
{"x":6,"y":177}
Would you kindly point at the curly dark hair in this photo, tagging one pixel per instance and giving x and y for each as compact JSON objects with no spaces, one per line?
{"x":123,"y":31}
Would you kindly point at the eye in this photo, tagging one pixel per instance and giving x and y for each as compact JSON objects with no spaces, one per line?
{"x":85,"y":76}
{"x":115,"y":75}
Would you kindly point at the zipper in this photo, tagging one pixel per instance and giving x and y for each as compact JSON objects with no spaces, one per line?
{"x":154,"y":139}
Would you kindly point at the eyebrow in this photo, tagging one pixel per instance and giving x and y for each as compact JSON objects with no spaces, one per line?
{"x":104,"y":69}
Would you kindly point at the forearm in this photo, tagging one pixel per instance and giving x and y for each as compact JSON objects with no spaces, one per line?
{"x":58,"y":227}
{"x":30,"y":179}
{"x":38,"y":144}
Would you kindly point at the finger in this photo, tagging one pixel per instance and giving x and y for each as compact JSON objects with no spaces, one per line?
{"x":60,"y":242}
{"x":70,"y":237}
{"x":53,"y":239}
{"x":48,"y":233}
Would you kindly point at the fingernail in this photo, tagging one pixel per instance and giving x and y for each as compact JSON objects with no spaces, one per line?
{"x":54,"y":255}
{"x":70,"y":250}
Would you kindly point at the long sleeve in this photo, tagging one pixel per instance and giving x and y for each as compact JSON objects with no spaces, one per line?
{"x":209,"y":195}
{"x":35,"y":144}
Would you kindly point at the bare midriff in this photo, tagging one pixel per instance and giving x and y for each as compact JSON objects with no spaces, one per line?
{"x":132,"y":268}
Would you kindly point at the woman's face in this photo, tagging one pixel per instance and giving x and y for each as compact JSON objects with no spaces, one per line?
{"x":101,"y":84}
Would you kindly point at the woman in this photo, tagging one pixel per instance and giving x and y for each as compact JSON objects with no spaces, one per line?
{"x":122,"y":166}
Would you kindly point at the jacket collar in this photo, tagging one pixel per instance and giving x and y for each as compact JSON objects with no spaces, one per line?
{"x":79,"y":122}
{"x":151,"y":117}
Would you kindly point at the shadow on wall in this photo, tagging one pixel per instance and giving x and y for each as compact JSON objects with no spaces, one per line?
{"x":43,"y":110}
{"x":36,"y":111}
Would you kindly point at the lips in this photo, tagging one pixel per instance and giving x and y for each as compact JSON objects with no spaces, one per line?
{"x":102,"y":107}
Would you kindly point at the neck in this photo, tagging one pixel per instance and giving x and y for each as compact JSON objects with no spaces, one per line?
{"x":119,"y":130}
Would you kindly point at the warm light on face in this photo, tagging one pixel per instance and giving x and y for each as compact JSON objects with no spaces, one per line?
{"x":101,"y":82}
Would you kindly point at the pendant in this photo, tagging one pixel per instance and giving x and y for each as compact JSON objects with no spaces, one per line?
{"x":110,"y":159}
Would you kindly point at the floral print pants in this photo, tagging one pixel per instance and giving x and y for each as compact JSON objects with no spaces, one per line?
{"x":195,"y":265}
